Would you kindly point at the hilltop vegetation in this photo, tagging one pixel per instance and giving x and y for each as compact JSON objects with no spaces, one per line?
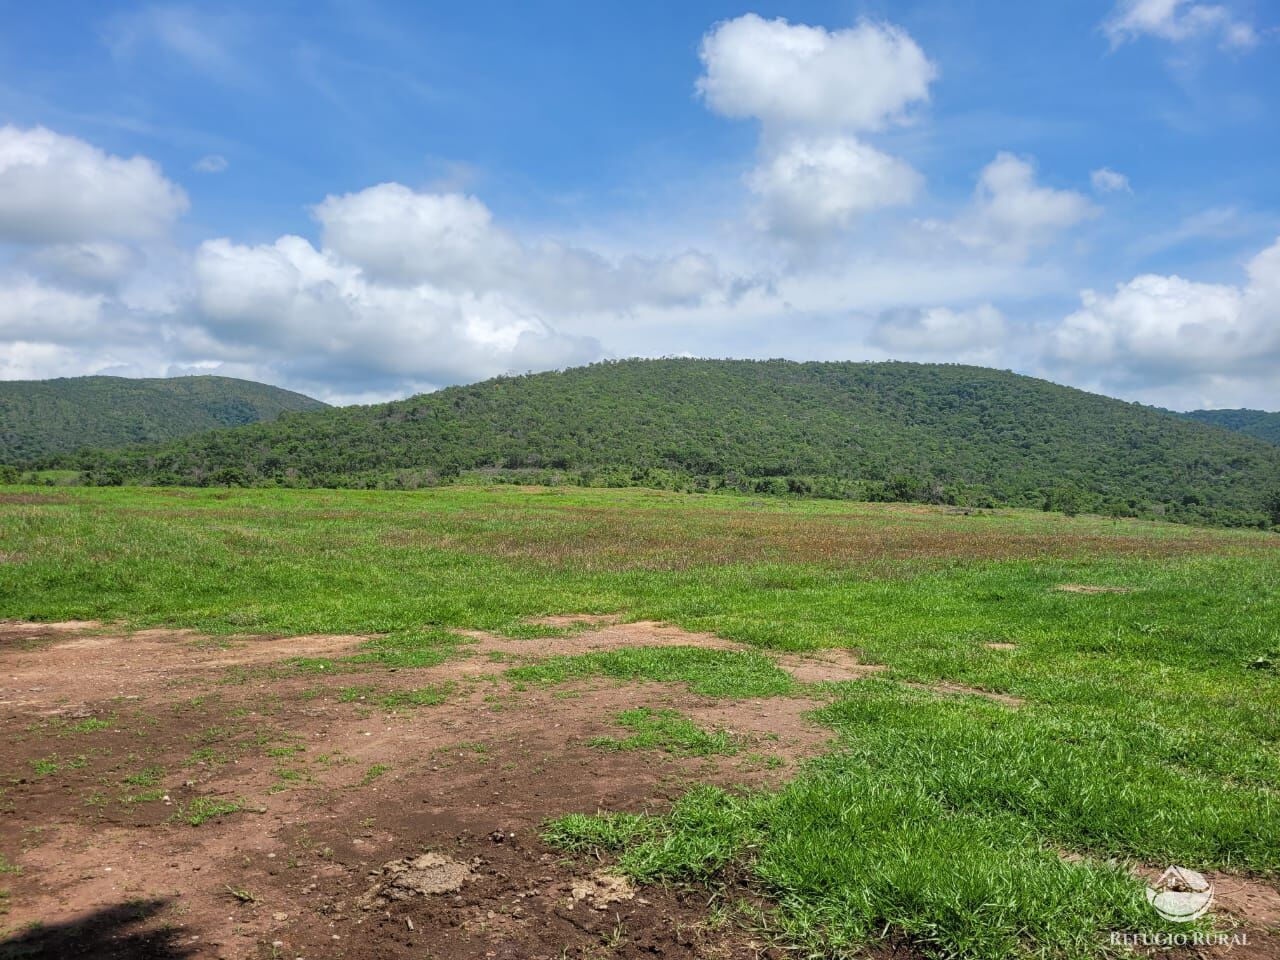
{"x":869,"y":431}
{"x":43,"y":418}
{"x":1252,"y":423}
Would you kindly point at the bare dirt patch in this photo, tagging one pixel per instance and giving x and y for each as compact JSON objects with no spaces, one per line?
{"x":827,"y":666}
{"x":572,"y":620}
{"x":166,"y":802}
{"x":999,"y":645}
{"x":642,"y":633}
{"x":83,"y":661}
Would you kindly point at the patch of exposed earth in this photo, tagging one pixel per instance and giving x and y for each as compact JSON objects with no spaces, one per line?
{"x":306,"y":786}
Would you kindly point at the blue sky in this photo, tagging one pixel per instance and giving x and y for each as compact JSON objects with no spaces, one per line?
{"x":366,"y":200}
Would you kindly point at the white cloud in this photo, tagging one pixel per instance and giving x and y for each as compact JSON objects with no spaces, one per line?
{"x":1160,"y":331}
{"x":1012,"y":214}
{"x":33,"y":311}
{"x":212,"y":163}
{"x":941,"y":333}
{"x":319,"y":315}
{"x":1177,"y":21}
{"x":59,"y":189}
{"x":401,"y":236}
{"x":1106,"y":180}
{"x":811,"y":187}
{"x":93,"y":264}
{"x":784,"y":74}
{"x":811,"y":89}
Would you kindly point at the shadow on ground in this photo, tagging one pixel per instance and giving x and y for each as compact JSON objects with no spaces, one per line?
{"x":114,"y":933}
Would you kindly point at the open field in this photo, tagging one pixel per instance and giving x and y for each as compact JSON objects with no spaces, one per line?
{"x":626,"y":723}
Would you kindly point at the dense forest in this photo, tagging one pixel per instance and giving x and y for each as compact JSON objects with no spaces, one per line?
{"x":1252,"y":423}
{"x":41,"y":418}
{"x":872,"y":431}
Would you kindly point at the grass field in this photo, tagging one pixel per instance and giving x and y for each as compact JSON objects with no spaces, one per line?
{"x":1135,"y":721}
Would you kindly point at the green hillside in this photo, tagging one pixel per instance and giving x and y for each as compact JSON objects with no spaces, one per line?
{"x":1252,"y":423}
{"x":876,"y":431}
{"x":43,"y":418}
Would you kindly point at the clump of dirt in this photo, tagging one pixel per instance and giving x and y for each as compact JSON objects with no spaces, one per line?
{"x":1090,"y":588}
{"x":421,"y":876}
{"x":602,"y":889}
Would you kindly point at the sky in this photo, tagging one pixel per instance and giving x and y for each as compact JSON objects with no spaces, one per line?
{"x":367,"y":200}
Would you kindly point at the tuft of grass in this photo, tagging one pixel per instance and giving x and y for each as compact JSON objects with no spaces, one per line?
{"x":45,"y":766}
{"x":410,"y":649}
{"x":203,"y":809}
{"x":594,"y":834}
{"x":373,"y":773}
{"x":147,"y":777}
{"x":240,"y":894}
{"x":714,"y":673}
{"x":421,"y":697}
{"x":667,"y":730}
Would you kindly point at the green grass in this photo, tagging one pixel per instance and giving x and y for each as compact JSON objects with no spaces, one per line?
{"x":1149,"y":730}
{"x":427,"y":696}
{"x":716,"y":673}
{"x":667,"y":730}
{"x":203,"y":809}
{"x":852,"y":859}
{"x":147,"y":777}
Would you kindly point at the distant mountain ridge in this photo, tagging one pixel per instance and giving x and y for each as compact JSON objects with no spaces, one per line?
{"x":1252,"y":423}
{"x":938,"y":433}
{"x":43,"y":418}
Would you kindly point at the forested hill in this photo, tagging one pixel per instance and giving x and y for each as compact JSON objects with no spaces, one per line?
{"x":900,"y":431}
{"x":40,"y":418}
{"x":1253,"y":423}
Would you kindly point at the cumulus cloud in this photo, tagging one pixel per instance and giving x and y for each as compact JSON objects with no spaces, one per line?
{"x":211,"y":163}
{"x":812,"y":89}
{"x":91,"y":264}
{"x":406,"y":291}
{"x":294,"y":301}
{"x":810,"y":187}
{"x":940,"y":333}
{"x":1011,"y":214}
{"x":59,"y":189}
{"x":402,"y":236}
{"x":784,"y":74}
{"x":33,"y":311}
{"x":1164,"y":330}
{"x":1177,"y":21}
{"x":1106,"y":180}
